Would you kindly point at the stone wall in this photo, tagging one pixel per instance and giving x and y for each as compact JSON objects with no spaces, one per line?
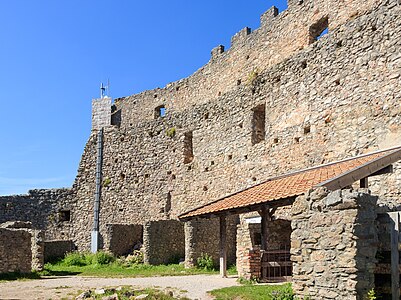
{"x":163,"y":242}
{"x":335,"y":98}
{"x":21,"y":248}
{"x":122,"y":238}
{"x":203,"y":236}
{"x":43,"y":208}
{"x":333,"y":244}
{"x":57,"y":249}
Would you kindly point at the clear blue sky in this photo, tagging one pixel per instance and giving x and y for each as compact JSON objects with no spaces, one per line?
{"x":54,"y":54}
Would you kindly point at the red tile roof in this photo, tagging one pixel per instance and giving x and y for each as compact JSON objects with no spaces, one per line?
{"x":297,"y":183}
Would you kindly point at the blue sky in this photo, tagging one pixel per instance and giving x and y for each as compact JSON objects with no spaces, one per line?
{"x":54,"y":54}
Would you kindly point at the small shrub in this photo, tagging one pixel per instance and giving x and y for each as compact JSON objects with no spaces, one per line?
{"x":371,"y":295}
{"x":253,"y":77}
{"x":106,"y":181}
{"x":75,"y":259}
{"x":135,"y":258}
{"x":205,"y":261}
{"x":170,"y":132}
{"x":103,"y":258}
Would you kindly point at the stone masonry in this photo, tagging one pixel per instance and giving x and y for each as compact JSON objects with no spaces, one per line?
{"x":280,"y":99}
{"x":334,"y":243}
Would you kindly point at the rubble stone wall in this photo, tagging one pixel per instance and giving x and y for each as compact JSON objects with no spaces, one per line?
{"x":203,"y":237}
{"x":122,"y":238}
{"x":57,"y":249}
{"x":333,"y":244}
{"x":163,"y":242}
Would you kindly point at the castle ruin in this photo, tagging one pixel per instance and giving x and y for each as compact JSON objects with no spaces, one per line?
{"x":282,"y":98}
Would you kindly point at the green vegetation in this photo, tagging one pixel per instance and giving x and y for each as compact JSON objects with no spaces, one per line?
{"x":170,"y":132}
{"x":205,"y":261}
{"x":103,"y":264}
{"x":372,"y":295}
{"x":106,"y":181}
{"x":255,"y":292}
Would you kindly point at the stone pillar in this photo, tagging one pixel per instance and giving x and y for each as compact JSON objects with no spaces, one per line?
{"x":333,"y":244}
{"x":101,"y":113}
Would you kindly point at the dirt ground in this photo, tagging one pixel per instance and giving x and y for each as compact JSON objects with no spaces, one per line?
{"x":193,"y":287}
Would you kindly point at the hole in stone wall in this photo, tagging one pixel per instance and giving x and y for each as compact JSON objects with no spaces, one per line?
{"x":167,"y":206}
{"x":241,"y":125}
{"x":205,"y":188}
{"x":296,"y":139}
{"x":155,"y":96}
{"x":239,"y":82}
{"x":122,"y":176}
{"x":188,"y":147}
{"x":122,"y":139}
{"x":212,"y":163}
{"x":339,"y":44}
{"x":64,"y":215}
{"x":173,"y":176}
{"x":219,"y":94}
{"x":116,"y":160}
{"x":206,"y":116}
{"x":253,"y":178}
{"x":374,"y":28}
{"x":189,"y":168}
{"x":146,"y":175}
{"x":206,"y":169}
{"x":230,"y":157}
{"x":307,"y":129}
{"x":319,"y":29}
{"x":160,"y":111}
{"x":121,"y":209}
{"x":258,"y":124}
{"x":177,"y":88}
{"x":168,"y":172}
{"x":246,"y":156}
{"x":337,"y":81}
{"x":304,"y":64}
{"x":275,"y":140}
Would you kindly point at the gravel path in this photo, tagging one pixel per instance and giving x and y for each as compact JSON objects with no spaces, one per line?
{"x":193,"y":287}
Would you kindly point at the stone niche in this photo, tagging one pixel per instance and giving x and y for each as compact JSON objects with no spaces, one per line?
{"x":334,"y":243}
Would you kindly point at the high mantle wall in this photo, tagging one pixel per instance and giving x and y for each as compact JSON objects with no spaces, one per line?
{"x":275,"y":101}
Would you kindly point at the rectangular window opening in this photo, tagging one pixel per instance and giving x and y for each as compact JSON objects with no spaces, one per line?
{"x":258,"y":124}
{"x":188,"y":148}
{"x":64,"y":215}
{"x":160,"y":112}
{"x":318,"y":30}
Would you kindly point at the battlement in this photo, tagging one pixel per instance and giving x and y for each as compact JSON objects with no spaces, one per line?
{"x":280,"y":36}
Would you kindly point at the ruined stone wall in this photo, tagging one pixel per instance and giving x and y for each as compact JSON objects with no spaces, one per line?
{"x":43,"y":208}
{"x":203,"y":236}
{"x":333,"y":244}
{"x":57,"y":249}
{"x":122,"y":238}
{"x":21,"y":248}
{"x":278,"y":37}
{"x":336,"y":98}
{"x":163,"y":242}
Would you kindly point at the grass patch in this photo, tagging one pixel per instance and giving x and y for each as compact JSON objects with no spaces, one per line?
{"x":255,"y":292}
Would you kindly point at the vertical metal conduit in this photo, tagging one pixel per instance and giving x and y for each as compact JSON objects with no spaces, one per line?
{"x":95,"y":231}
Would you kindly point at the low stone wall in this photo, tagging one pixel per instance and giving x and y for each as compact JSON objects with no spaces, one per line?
{"x":21,"y":248}
{"x":123,"y":238}
{"x":163,"y":242}
{"x":57,"y":249}
{"x":203,"y":236}
{"x":333,"y":244}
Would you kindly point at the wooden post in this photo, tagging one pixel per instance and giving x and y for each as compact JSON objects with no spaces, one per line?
{"x":395,"y":255}
{"x":363,"y":183}
{"x":223,"y":248}
{"x":265,"y":218}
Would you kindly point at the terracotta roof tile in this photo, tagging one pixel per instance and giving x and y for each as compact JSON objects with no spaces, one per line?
{"x":286,"y":186}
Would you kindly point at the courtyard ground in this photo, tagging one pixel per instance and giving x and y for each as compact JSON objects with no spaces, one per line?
{"x":56,"y":287}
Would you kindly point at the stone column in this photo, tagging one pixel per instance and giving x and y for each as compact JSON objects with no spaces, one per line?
{"x":333,"y":244}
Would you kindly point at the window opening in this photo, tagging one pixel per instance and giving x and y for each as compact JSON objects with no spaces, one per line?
{"x":64,"y":215}
{"x":319,"y":29}
{"x":188,"y":147}
{"x":160,"y":112}
{"x":258,"y":124}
